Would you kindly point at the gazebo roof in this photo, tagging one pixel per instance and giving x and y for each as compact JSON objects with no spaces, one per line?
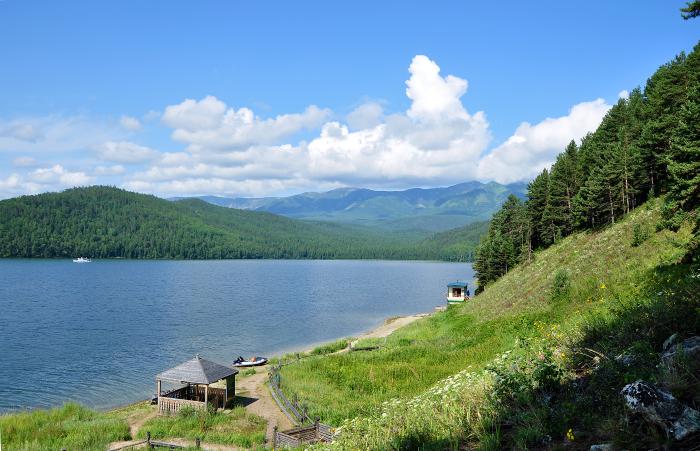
{"x":197,"y":371}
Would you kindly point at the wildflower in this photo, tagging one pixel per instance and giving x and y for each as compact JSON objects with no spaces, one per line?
{"x":602,"y":286}
{"x":570,"y":435}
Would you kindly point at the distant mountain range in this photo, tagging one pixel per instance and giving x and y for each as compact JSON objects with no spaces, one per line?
{"x":417,"y":210}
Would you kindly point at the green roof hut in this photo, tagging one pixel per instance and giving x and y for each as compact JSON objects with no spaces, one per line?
{"x":457,"y":292}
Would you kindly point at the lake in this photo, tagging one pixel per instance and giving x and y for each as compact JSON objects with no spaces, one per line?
{"x":98,"y":333}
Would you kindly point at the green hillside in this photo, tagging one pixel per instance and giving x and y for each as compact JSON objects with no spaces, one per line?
{"x":104,"y":222}
{"x":502,"y":370}
{"x":457,"y":244}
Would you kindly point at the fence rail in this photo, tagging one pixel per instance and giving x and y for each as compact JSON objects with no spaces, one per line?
{"x":293,"y":409}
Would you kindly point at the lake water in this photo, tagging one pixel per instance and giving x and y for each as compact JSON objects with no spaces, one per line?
{"x":98,"y":333}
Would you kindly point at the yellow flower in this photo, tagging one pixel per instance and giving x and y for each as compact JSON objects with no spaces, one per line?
{"x":602,"y":286}
{"x":570,"y":435}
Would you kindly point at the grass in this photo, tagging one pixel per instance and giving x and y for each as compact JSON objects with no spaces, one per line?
{"x":71,"y":427}
{"x":234,"y":427}
{"x":330,"y":348}
{"x":521,"y":344}
{"x":75,"y":427}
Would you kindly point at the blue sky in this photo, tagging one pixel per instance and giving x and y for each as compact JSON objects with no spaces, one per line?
{"x":293,"y":96}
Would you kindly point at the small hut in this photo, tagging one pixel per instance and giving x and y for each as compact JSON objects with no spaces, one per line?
{"x":457,"y":292}
{"x":201,"y":382}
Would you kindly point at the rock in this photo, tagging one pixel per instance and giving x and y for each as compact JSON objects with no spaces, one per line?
{"x":602,"y":447}
{"x":661,"y":408}
{"x":626,"y":359}
{"x":670,"y":341}
{"x":689,"y":348}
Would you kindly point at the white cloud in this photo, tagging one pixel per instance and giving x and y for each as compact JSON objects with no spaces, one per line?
{"x":52,"y":178}
{"x":130,"y":123}
{"x":21,"y":130}
{"x":534,"y":147}
{"x":234,"y":151}
{"x":434,"y":97}
{"x":57,"y":175}
{"x":624,"y":94}
{"x":367,"y":115}
{"x":116,"y":169}
{"x":210,"y":125}
{"x":55,"y":134}
{"x":126,"y":152}
{"x":24,"y":162}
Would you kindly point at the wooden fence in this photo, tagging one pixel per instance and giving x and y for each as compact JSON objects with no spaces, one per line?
{"x":293,"y":409}
{"x":298,"y":414}
{"x":317,"y":432}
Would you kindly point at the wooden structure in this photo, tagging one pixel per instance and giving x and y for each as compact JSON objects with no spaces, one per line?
{"x":303,"y":435}
{"x":457,"y":292}
{"x":202,"y":382}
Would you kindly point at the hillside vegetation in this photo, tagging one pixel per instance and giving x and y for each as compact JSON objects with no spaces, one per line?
{"x":532,"y":357}
{"x":582,"y":288}
{"x":104,"y":222}
{"x":647,"y":145}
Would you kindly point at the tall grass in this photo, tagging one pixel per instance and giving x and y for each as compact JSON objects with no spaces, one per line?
{"x":234,"y":427}
{"x":71,"y":427}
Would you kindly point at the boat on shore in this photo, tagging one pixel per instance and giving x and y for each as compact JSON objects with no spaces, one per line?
{"x":253,"y":361}
{"x":82,"y":260}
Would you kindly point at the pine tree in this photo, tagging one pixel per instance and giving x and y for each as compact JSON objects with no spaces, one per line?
{"x":538,"y":194}
{"x":684,"y":157}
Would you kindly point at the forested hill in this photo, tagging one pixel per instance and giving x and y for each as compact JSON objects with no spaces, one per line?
{"x":647,"y":145}
{"x":104,"y":222}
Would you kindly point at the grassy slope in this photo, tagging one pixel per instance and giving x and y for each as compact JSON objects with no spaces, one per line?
{"x":604,"y":271}
{"x":75,"y":427}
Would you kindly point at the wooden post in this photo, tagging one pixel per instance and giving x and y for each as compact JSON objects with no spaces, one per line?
{"x":148,"y":438}
{"x":274,"y":437}
{"x":206,"y":395}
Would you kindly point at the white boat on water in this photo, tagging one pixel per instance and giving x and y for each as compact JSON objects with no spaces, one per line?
{"x":81,"y":260}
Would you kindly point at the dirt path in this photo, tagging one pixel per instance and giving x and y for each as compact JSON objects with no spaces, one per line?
{"x":391,"y":325}
{"x":258,"y":400}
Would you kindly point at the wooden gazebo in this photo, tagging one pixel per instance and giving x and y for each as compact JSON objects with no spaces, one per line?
{"x":202,"y":382}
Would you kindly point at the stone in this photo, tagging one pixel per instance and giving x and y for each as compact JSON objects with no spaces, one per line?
{"x":689,"y":348}
{"x":626,"y":359}
{"x":670,"y":341}
{"x":602,"y":447}
{"x":660,"y":407}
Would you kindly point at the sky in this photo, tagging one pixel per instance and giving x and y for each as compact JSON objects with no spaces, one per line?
{"x":252,"y":99}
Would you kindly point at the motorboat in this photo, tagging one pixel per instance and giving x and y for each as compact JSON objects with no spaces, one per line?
{"x":253,"y":361}
{"x":81,"y":260}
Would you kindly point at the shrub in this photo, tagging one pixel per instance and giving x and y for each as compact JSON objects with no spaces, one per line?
{"x":639,"y":234}
{"x":560,"y":284}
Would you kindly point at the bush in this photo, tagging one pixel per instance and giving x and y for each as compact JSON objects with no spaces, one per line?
{"x":560,"y":284}
{"x":639,"y":234}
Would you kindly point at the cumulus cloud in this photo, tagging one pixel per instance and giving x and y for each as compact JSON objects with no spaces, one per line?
{"x":624,"y":94}
{"x":534,"y":147}
{"x":126,"y":152}
{"x":130,"y":123}
{"x":210,"y":125}
{"x":51,"y":178}
{"x":367,"y":115}
{"x":234,"y":151}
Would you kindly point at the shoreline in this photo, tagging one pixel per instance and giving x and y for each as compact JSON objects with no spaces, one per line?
{"x":388,"y":326}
